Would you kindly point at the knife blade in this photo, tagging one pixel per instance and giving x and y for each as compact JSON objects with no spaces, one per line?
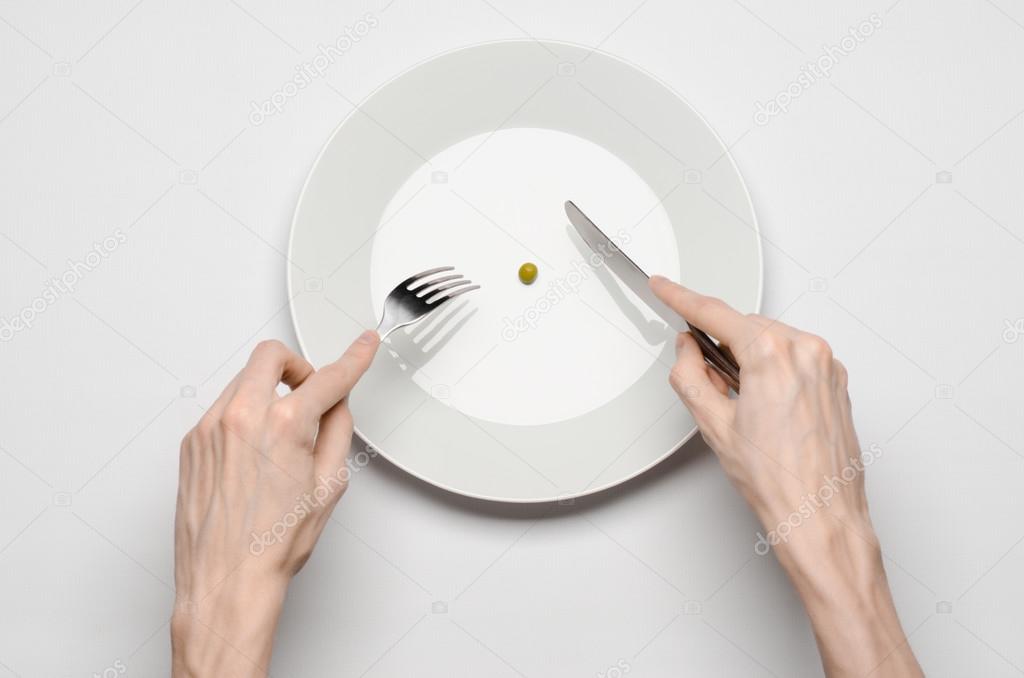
{"x":633,"y":277}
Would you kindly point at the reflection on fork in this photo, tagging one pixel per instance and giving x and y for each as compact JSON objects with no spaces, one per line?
{"x":419,"y":295}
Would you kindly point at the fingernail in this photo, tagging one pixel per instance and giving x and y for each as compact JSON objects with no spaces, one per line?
{"x":367,"y":337}
{"x":660,"y":279}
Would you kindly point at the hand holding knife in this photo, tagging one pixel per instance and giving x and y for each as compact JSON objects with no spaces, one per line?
{"x":719,"y":357}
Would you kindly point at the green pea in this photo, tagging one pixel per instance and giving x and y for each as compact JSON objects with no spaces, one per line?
{"x":528,"y":273}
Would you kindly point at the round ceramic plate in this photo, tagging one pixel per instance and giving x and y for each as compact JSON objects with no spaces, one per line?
{"x":513,"y":392}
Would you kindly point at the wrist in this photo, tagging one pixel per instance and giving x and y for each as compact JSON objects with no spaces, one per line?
{"x":833,"y":560}
{"x":228,"y":631}
{"x":840,"y":578}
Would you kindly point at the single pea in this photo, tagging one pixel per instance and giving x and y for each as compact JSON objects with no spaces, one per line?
{"x":528,"y":273}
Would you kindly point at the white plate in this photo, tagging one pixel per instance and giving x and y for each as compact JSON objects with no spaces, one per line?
{"x":518,"y":393}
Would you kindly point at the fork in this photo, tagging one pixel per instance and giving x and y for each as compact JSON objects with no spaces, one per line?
{"x":419,"y":295}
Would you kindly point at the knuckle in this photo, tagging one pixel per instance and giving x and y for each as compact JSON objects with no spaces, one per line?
{"x":269,"y":347}
{"x":683,"y":385}
{"x":285,"y":418}
{"x":238,"y":417}
{"x":814,"y":347}
{"x":675,"y":378}
{"x":204,"y":428}
{"x":708,"y":305}
{"x":770,"y":346}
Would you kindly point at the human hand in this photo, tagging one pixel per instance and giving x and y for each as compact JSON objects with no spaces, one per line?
{"x":259,"y":476}
{"x":788,"y":444}
{"x":791,"y":428}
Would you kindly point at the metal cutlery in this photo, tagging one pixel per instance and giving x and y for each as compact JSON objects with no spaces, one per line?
{"x":619,"y":263}
{"x":419,"y":295}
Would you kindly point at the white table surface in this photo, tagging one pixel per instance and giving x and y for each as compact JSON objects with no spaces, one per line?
{"x":132,"y":118}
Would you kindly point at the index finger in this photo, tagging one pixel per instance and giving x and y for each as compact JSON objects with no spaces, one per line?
{"x":326,"y":387}
{"x":712,"y":315}
{"x":270,"y":363}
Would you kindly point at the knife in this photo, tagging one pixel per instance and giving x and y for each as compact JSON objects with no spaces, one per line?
{"x":626,"y":270}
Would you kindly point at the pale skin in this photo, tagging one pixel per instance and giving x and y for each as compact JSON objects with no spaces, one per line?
{"x":252,"y":500}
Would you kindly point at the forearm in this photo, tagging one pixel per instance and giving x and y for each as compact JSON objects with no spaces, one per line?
{"x":228,"y":634}
{"x":790,"y":431}
{"x":837,"y":571}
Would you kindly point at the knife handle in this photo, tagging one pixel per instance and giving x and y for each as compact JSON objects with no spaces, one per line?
{"x":719,"y":357}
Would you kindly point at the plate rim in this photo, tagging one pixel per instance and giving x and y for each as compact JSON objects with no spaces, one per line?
{"x":355,"y":109}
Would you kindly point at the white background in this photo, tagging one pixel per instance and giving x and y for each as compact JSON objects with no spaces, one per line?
{"x":135,"y":116}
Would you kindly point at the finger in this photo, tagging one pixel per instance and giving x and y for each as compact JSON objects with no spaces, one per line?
{"x":692,"y":382}
{"x":271,"y":363}
{"x":333,"y":441}
{"x":680,"y":343}
{"x":718,"y":381}
{"x":326,"y":387}
{"x":708,"y":313}
{"x":714,"y":377}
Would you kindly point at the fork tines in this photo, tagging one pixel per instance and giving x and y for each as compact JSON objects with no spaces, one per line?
{"x":436,"y":289}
